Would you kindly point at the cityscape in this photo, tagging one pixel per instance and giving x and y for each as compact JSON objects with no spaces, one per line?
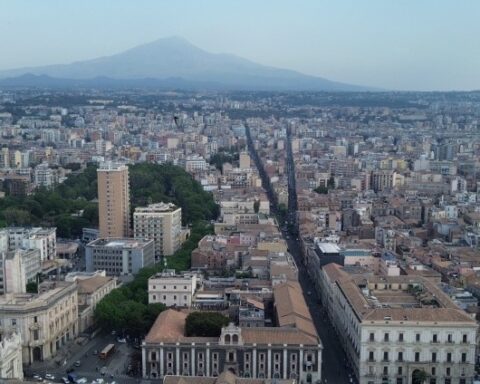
{"x":168,"y":214}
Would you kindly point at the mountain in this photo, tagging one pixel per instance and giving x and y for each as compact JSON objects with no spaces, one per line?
{"x":171,"y":62}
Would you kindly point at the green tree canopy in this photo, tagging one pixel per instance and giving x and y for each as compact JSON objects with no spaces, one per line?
{"x":205,"y":324}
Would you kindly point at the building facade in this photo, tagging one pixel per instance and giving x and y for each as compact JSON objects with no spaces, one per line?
{"x":11,"y":357}
{"x":397,"y":328}
{"x":46,"y":321}
{"x":161,"y":223}
{"x":90,"y":292}
{"x":262,"y":353}
{"x":119,"y":256}
{"x":113,"y":200}
{"x":17,"y":268}
{"x":43,"y":239}
{"x":171,"y":289}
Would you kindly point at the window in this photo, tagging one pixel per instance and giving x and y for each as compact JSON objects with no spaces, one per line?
{"x":417,"y":337}
{"x":385,"y":371}
{"x":417,"y":356}
{"x":399,"y":380}
{"x":449,"y":338}
{"x":370,"y":356}
{"x":464,"y":338}
{"x":372,"y":336}
{"x":434,"y":371}
{"x":154,"y":297}
{"x":400,"y":370}
{"x":14,"y":322}
{"x":153,"y":356}
{"x":385,"y":356}
{"x":400,"y":337}
{"x":386,"y":337}
{"x":35,"y":319}
{"x":400,"y":356}
{"x":434,"y":357}
{"x":435,"y":338}
{"x":449,"y":357}
{"x":464,"y":357}
{"x":447,"y":371}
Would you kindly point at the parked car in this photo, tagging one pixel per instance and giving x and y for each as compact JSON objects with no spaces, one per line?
{"x":65,"y":380}
{"x":49,"y":376}
{"x":77,"y":363}
{"x":38,"y":377}
{"x":121,"y":340}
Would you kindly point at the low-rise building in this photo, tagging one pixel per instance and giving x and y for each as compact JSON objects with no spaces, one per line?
{"x":119,"y":256}
{"x":90,"y":292}
{"x":171,"y":289}
{"x":292,"y":350}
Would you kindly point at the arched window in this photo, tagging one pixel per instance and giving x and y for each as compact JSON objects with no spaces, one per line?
{"x":227,"y":339}
{"x":235,"y":339}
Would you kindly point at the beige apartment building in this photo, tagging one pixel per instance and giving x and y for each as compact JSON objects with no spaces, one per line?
{"x":113,"y":200}
{"x":162,"y":223}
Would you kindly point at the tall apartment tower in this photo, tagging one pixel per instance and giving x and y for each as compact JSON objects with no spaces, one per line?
{"x":161,"y":223}
{"x":113,"y":200}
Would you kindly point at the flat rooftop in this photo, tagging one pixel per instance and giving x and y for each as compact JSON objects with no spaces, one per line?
{"x":119,"y":243}
{"x":395,"y":298}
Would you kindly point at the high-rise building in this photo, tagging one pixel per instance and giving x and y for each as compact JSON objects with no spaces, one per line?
{"x":113,"y":200}
{"x":161,"y":223}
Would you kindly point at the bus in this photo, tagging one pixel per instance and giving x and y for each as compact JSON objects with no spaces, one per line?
{"x":107,"y":351}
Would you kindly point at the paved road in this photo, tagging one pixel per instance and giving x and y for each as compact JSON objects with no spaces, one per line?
{"x":91,"y":364}
{"x":334,"y":367}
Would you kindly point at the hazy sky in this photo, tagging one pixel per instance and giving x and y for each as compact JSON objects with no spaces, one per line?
{"x":407,"y":44}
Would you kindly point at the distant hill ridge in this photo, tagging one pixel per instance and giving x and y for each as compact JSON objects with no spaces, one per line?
{"x":171,"y":63}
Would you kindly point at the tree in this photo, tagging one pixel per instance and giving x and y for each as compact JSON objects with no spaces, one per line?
{"x":321,"y":190}
{"x":419,"y":376}
{"x":32,"y":287}
{"x":205,"y":324}
{"x":256,"y":206}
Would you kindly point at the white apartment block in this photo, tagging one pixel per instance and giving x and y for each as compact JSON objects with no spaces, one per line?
{"x":43,"y":239}
{"x":17,"y":268}
{"x":162,"y":223}
{"x":46,"y":321}
{"x":171,"y":289}
{"x":45,"y":176}
{"x":11,"y":357}
{"x":396,"y":328}
{"x":195,"y":163}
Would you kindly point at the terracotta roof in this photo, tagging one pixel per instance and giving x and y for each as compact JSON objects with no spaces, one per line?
{"x":292,"y":310}
{"x":169,"y":327}
{"x":224,"y":378}
{"x":277,"y":336}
